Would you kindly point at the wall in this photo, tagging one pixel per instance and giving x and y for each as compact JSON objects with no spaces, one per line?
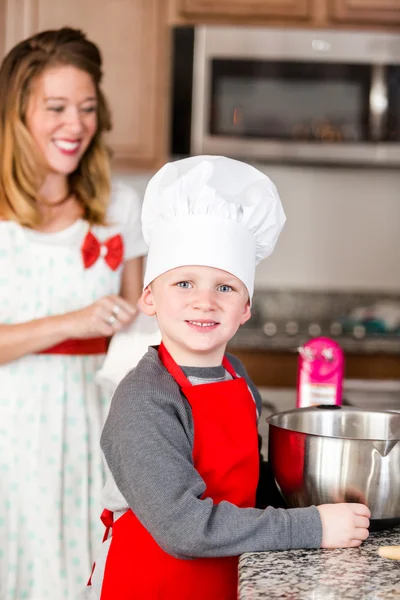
{"x":342,"y":230}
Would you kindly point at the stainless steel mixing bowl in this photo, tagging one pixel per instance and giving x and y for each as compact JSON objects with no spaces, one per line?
{"x":328,"y":454}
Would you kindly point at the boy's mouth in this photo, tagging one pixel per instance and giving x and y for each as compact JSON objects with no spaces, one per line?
{"x":203,"y":324}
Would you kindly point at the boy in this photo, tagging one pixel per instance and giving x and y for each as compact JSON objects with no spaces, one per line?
{"x":181,"y":437}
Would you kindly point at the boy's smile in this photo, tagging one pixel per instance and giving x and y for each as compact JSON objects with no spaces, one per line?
{"x":198,"y":309}
{"x":203,"y":325}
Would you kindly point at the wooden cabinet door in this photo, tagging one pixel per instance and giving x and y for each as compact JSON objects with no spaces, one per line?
{"x":3,"y":8}
{"x":131,"y":35}
{"x":299,"y":9}
{"x":366,"y":11}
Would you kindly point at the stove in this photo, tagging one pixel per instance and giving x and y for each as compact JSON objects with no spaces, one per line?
{"x":324,"y":328}
{"x":289,"y":335}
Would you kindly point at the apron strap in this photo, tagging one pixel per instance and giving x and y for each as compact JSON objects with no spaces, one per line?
{"x":227,"y":365}
{"x":172,"y":367}
{"x":107,"y":517}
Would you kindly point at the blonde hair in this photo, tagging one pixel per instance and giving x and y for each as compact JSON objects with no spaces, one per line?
{"x":21,"y":170}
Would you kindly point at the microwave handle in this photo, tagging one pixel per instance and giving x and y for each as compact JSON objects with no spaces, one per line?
{"x":378,"y":102}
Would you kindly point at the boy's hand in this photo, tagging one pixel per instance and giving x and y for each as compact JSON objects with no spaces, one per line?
{"x":344,"y":525}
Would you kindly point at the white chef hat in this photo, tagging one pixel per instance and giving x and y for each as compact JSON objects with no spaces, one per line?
{"x":210,"y":211}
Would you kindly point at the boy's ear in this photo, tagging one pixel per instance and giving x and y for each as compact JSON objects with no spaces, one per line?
{"x":246,"y":313}
{"x":146,"y":302}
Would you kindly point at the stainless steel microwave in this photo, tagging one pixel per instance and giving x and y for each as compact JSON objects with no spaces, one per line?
{"x":287,"y":95}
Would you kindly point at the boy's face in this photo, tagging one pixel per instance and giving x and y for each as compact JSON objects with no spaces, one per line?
{"x":198,"y":310}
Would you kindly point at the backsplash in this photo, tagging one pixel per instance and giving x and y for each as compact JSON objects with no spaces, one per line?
{"x":286,"y":319}
{"x":342,"y":230}
{"x":311,"y":305}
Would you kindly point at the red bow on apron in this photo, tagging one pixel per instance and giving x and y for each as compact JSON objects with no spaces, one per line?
{"x":225,"y":454}
{"x":113,"y":250}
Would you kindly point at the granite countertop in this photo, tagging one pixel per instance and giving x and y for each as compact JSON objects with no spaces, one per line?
{"x":346,"y":574}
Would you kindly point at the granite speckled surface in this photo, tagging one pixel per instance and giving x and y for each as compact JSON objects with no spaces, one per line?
{"x":346,"y":574}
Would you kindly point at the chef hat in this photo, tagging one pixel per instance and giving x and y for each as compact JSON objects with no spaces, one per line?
{"x":210,"y":211}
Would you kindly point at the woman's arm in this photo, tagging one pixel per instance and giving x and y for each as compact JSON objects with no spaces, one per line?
{"x":33,"y":336}
{"x":20,"y":339}
{"x":132,"y":280}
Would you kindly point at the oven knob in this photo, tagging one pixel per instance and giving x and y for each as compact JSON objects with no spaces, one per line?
{"x":336,"y":328}
{"x":292,"y":328}
{"x":270,"y":329}
{"x":314,"y":329}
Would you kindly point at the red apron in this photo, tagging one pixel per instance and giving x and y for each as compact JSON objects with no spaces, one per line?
{"x":225,"y":454}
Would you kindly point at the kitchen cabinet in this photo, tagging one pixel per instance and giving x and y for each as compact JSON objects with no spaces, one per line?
{"x":291,"y":9}
{"x":326,"y":14}
{"x":132,"y":36}
{"x":366,"y":11}
{"x":2,"y":26}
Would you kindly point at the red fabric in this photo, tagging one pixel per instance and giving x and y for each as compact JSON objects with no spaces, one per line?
{"x":289,"y":473}
{"x":91,"y":249}
{"x":107,"y":517}
{"x":225,"y":454}
{"x":79,"y":347}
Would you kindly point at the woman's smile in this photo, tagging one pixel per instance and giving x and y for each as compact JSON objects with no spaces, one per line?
{"x":68,"y":147}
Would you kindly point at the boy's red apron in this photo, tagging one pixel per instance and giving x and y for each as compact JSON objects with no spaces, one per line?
{"x":225,"y":453}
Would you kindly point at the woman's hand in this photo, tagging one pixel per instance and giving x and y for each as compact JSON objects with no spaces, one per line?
{"x":102,"y":318}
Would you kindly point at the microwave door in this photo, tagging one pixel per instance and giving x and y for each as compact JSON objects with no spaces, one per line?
{"x":291,"y":109}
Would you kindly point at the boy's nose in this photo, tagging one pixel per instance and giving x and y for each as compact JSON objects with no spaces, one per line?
{"x":204,"y":300}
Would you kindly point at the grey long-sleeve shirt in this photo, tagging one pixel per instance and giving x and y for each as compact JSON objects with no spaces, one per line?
{"x":147,"y":442}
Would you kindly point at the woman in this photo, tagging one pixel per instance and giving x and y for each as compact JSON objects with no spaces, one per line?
{"x":70,"y":276}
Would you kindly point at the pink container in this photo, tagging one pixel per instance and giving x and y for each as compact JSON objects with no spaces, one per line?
{"x":320,"y":373}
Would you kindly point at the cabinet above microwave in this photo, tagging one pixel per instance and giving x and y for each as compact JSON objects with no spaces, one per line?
{"x":287,"y":95}
{"x":375,"y":14}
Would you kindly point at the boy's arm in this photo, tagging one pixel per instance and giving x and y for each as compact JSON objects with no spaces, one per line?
{"x":147,"y":442}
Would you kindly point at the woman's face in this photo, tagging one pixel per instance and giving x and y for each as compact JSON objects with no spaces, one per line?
{"x":61,"y":116}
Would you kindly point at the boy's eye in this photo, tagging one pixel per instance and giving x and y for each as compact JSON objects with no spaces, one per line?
{"x":225,"y":288}
{"x":184,"y":284}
